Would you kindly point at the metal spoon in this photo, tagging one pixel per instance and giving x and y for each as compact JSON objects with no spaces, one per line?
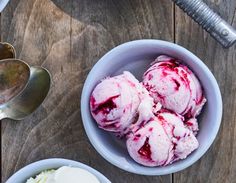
{"x":14,"y":75}
{"x":35,"y":90}
{"x":6,"y":51}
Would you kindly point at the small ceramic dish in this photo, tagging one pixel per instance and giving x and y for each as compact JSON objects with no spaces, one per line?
{"x":3,"y":3}
{"x":136,"y":56}
{"x":34,"y":169}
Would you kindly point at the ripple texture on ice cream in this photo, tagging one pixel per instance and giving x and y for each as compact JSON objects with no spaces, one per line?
{"x":175,"y":86}
{"x":150,"y":145}
{"x":114,"y":102}
{"x":161,"y":141}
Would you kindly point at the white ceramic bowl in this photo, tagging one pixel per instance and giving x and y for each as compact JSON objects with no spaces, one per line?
{"x":3,"y":3}
{"x":35,"y":168}
{"x":136,"y":56}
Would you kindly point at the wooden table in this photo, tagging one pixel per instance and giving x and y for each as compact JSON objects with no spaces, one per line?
{"x":68,"y":37}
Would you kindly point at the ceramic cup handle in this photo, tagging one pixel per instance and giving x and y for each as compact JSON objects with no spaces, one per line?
{"x":219,"y":29}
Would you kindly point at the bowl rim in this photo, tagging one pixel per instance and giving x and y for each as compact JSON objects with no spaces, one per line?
{"x":35,"y":166}
{"x":3,"y":4}
{"x":178,"y":49}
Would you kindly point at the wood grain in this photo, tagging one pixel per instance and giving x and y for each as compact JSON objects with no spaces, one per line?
{"x":68,"y":37}
{"x":219,"y":163}
{"x":0,"y":27}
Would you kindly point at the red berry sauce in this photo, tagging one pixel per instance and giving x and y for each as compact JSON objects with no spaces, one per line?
{"x":145,"y":150}
{"x":106,"y":106}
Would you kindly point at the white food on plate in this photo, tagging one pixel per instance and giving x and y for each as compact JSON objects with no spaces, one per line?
{"x":63,"y":175}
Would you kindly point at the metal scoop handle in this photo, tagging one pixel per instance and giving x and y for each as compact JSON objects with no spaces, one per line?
{"x":218,"y":28}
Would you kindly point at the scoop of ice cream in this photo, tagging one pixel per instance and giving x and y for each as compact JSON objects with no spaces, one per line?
{"x":183,"y":138}
{"x":150,"y":145}
{"x":42,"y":177}
{"x":174,"y":86}
{"x":114,"y":102}
{"x":65,"y":174}
{"x":161,"y":141}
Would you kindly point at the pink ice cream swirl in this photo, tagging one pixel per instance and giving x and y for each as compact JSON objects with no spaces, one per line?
{"x":114,"y":102}
{"x":161,"y":141}
{"x":157,"y":116}
{"x":174,"y":86}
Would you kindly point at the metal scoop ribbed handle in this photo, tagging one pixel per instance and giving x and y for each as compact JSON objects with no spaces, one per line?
{"x":224,"y":33}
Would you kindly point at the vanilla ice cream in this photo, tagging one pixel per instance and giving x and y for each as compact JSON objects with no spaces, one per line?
{"x":63,"y":175}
